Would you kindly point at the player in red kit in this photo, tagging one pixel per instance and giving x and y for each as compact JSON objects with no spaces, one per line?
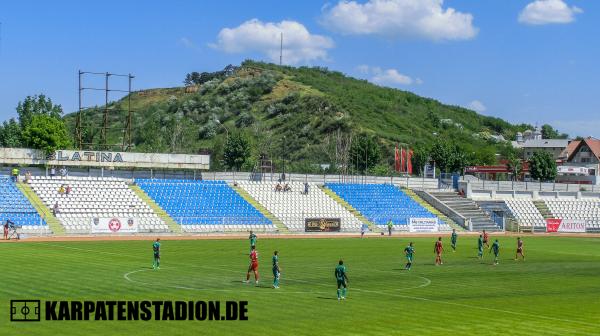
{"x":438,"y":249}
{"x":253,"y":265}
{"x":519,"y":249}
{"x":486,"y":238}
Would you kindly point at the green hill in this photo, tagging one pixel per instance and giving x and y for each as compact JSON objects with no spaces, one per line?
{"x":310,"y":113}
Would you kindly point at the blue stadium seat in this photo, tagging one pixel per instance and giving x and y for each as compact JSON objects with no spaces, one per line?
{"x":191,"y":202}
{"x":381,"y":203}
{"x":15,"y":207}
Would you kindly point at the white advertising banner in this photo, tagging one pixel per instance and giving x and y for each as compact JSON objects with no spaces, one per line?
{"x":114,"y":225}
{"x":573,"y":170}
{"x":73,"y":158}
{"x":423,"y":225}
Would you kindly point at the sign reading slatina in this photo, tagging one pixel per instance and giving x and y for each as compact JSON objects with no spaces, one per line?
{"x":423,"y":225}
{"x":114,"y":225}
{"x":565,"y":225}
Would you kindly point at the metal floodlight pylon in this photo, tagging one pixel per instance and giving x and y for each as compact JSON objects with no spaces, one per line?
{"x":104,"y":144}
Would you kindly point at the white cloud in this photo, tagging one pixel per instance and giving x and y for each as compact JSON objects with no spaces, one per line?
{"x":363,"y":69}
{"x":424,"y":19}
{"x":299,"y":45}
{"x":387,"y":77}
{"x":186,"y":42}
{"x":542,"y":12}
{"x":477,"y":106}
{"x":392,"y":77}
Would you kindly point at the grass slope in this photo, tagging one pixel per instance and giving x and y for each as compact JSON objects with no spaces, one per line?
{"x":554,"y":292}
{"x":299,"y":111}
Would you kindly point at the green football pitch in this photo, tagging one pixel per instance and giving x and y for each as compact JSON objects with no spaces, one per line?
{"x":556,"y":291}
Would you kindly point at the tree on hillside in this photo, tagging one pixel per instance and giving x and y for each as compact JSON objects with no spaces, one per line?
{"x":237,"y":151}
{"x":515,"y":166}
{"x":548,"y":132}
{"x":542,"y":166}
{"x":449,"y":157}
{"x":199,"y":78}
{"x":37,"y":105}
{"x":440,"y":153}
{"x":364,"y":153}
{"x":420,"y":158}
{"x":10,"y":134}
{"x":46,"y":133}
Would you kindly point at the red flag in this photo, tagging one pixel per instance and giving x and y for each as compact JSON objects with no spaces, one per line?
{"x":402,"y":160}
{"x":396,"y":159}
{"x":409,"y":162}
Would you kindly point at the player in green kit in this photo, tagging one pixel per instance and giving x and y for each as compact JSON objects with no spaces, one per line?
{"x":252,"y":238}
{"x":496,"y":249}
{"x":276,"y":270}
{"x":409,"y":251}
{"x":156,"y":250}
{"x":453,"y":239}
{"x":342,"y":279}
{"x":480,"y":247}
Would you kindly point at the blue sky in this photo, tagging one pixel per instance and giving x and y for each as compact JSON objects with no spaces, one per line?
{"x":521,"y":60}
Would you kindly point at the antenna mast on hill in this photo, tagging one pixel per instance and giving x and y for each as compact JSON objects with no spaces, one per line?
{"x":281,"y":50}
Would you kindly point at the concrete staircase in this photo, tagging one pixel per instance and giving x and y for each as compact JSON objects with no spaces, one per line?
{"x":431,"y":209}
{"x":468,"y":209}
{"x":543,"y":208}
{"x":53,"y":222}
{"x":162,"y":214}
{"x":245,"y":195}
{"x":347,"y":206}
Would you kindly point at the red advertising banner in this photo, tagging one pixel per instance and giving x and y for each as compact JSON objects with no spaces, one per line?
{"x":552,"y":224}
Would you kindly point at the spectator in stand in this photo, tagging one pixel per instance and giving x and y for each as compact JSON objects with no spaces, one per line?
{"x":52,"y":171}
{"x":68,"y":190}
{"x":61,"y":190}
{"x":64,"y":172}
{"x":55,"y":209}
{"x":287,"y":187}
{"x":15,"y":174}
{"x":306,"y":187}
{"x":278,"y":187}
{"x":27,"y":176}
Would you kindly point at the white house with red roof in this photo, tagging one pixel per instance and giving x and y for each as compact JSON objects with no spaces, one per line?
{"x":580,"y":162}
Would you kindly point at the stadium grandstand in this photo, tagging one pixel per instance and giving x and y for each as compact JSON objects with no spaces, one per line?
{"x":587,"y":210}
{"x":15,"y":207}
{"x":295,"y":205}
{"x":381,"y":203}
{"x":205,"y":206}
{"x":526,"y":213}
{"x":77,"y":201}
